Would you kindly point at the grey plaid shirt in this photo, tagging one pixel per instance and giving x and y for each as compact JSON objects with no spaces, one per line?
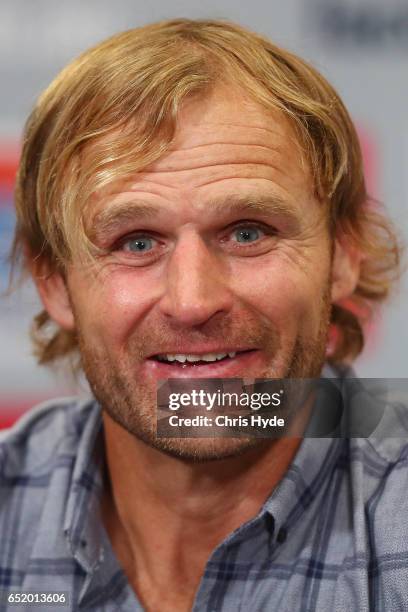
{"x":333,"y":535}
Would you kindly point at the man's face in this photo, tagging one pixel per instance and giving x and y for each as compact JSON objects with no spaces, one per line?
{"x":219,"y":248}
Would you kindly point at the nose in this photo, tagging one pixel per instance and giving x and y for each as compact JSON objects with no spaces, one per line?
{"x":196,"y":284}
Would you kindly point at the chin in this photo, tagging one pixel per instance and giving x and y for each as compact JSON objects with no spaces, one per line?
{"x":194,"y":450}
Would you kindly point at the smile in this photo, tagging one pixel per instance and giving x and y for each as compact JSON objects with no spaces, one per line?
{"x":196,"y":359}
{"x":186,"y":360}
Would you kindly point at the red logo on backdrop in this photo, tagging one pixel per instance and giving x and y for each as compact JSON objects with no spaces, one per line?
{"x":10,"y":408}
{"x":9,"y":156}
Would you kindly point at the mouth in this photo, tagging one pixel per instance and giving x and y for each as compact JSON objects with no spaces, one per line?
{"x":196,"y":360}
{"x":224,"y":363}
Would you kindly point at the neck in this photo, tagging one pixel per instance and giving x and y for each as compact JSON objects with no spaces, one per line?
{"x":165,"y":515}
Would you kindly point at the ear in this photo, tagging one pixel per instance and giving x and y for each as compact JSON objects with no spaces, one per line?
{"x":345,"y":269}
{"x":52,"y":288}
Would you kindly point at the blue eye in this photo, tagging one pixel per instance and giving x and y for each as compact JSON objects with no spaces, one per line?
{"x":248,"y":234}
{"x":139,"y":244}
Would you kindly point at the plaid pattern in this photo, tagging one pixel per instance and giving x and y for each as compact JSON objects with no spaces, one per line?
{"x":332,"y":536}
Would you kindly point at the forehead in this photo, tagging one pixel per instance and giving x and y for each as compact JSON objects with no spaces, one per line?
{"x":225,"y":144}
{"x":227,"y":121}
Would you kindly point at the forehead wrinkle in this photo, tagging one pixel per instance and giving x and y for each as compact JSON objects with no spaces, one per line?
{"x":190,"y":157}
{"x":263,"y":177}
{"x":203,"y":165}
{"x":281,"y":130}
{"x":276,"y":148}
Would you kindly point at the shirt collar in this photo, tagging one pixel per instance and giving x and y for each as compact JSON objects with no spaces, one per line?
{"x":312,"y":465}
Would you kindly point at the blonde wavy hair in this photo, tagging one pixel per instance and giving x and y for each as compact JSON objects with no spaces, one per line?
{"x":120,"y":100}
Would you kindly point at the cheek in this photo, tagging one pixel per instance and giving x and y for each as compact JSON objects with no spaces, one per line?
{"x":290,"y":300}
{"x":109,"y":308}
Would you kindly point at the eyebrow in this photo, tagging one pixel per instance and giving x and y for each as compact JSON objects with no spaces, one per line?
{"x":111,"y":219}
{"x":265,"y":204}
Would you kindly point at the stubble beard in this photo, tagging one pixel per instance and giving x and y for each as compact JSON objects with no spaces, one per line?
{"x":133,"y":404}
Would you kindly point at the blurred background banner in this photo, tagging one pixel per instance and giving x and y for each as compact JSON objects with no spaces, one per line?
{"x":361,"y":46}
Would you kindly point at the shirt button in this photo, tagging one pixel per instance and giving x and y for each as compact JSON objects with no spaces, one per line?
{"x":281,"y":537}
{"x":270,"y":523}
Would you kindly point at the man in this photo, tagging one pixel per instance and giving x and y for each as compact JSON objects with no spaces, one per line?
{"x":191,"y":203}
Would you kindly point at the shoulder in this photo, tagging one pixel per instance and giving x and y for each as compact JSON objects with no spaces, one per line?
{"x":380,"y":478}
{"x":385,"y":462}
{"x":381,"y":454}
{"x":38,"y":457}
{"x":375,"y":457}
{"x":49,"y":430}
{"x":375,"y":420}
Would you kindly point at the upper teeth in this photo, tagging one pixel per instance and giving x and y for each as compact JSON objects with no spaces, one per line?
{"x":193,"y":358}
